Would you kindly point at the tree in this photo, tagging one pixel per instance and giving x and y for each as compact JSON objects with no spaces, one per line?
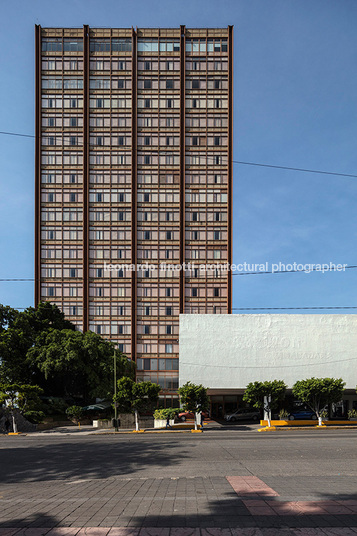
{"x":135,"y":397}
{"x":265,"y":395}
{"x":25,"y":398}
{"x":194,"y":399}
{"x":75,"y":364}
{"x":18,"y":333}
{"x":318,"y":392}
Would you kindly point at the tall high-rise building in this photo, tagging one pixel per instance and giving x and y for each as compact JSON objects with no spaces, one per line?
{"x":134,"y":183}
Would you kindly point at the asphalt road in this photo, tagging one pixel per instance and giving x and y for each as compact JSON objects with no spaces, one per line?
{"x":173,"y":479}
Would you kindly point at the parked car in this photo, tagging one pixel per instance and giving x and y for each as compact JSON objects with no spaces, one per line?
{"x":243,"y":414}
{"x":184,"y":415}
{"x":302,"y":415}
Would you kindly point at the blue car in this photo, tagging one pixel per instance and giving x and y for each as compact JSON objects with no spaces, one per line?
{"x":302,"y":415}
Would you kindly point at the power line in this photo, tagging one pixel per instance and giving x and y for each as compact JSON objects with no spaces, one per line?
{"x":288,"y":308}
{"x":17,"y":134}
{"x":233,"y":309}
{"x":241,"y":162}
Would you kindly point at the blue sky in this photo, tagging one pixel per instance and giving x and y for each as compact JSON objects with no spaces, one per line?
{"x":295,"y":89}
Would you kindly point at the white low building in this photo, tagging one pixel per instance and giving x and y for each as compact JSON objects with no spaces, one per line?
{"x":226,"y":352}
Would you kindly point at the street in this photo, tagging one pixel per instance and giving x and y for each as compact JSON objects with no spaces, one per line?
{"x":222,"y":478}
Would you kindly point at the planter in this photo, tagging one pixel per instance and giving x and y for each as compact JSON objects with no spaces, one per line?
{"x":352,"y":418}
{"x":161,"y":423}
{"x":102,"y":424}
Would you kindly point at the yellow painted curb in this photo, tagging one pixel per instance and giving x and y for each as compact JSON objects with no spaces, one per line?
{"x":14,"y":433}
{"x":267,"y":429}
{"x":196,"y":431}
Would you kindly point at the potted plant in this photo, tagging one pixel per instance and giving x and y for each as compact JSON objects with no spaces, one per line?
{"x":283,"y":415}
{"x":352,"y":414}
{"x":74,"y":413}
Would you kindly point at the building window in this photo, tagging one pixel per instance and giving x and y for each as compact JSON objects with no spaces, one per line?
{"x":168,"y":235}
{"x":169,"y":311}
{"x":217,"y":140}
{"x":195,"y":235}
{"x":147,"y":311}
{"x":216,"y":292}
{"x":73,"y":121}
{"x":146,"y":330}
{"x":170,"y":103}
{"x":147,"y":159}
{"x":217,"y":216}
{"x":73,"y":178}
{"x":99,"y":272}
{"x":98,"y":197}
{"x":73,"y":310}
{"x":51,"y":291}
{"x":121,"y":347}
{"x":147,"y":83}
{"x":146,"y":235}
{"x":168,"y":330}
{"x":169,"y":83}
{"x":146,"y":198}
{"x":195,"y":84}
{"x":50,"y":198}
{"x":168,"y":291}
{"x":147,"y":140}
{"x":120,"y":140}
{"x":120,"y":273}
{"x":120,"y":330}
{"x":168,"y":348}
{"x":72,"y":198}
{"x":72,"y":272}
{"x":194,"y":216}
{"x":194,"y":292}
{"x":99,"y":140}
{"x":217,"y":84}
{"x":217,"y":235}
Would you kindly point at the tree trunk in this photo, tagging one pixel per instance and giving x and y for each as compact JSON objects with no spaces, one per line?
{"x":269,"y":421}
{"x":14,"y":425}
{"x":195,"y":419}
{"x":136,"y":420}
{"x":320,"y":421}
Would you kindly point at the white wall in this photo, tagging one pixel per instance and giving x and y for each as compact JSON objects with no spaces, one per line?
{"x":229,"y":351}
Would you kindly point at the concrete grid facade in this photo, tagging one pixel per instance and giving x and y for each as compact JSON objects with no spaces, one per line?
{"x":134,"y":167}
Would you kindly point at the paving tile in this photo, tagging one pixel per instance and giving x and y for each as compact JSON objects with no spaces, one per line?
{"x":250,"y":485}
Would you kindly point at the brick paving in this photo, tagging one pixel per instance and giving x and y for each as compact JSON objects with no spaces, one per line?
{"x":210,"y":486}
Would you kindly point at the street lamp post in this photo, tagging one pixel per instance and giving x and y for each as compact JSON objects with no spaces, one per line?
{"x":115,"y":393}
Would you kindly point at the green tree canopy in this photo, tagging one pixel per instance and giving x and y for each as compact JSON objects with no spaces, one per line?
{"x":265,"y":395}
{"x":318,"y":392}
{"x":40,"y":347}
{"x":194,"y":398}
{"x":73,"y":363}
{"x":135,"y":397}
{"x":18,"y":333}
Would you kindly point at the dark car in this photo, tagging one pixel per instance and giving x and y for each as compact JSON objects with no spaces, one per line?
{"x":302,"y":415}
{"x":242,"y":414}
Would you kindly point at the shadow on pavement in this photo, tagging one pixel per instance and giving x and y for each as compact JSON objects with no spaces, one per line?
{"x":87,"y":459}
